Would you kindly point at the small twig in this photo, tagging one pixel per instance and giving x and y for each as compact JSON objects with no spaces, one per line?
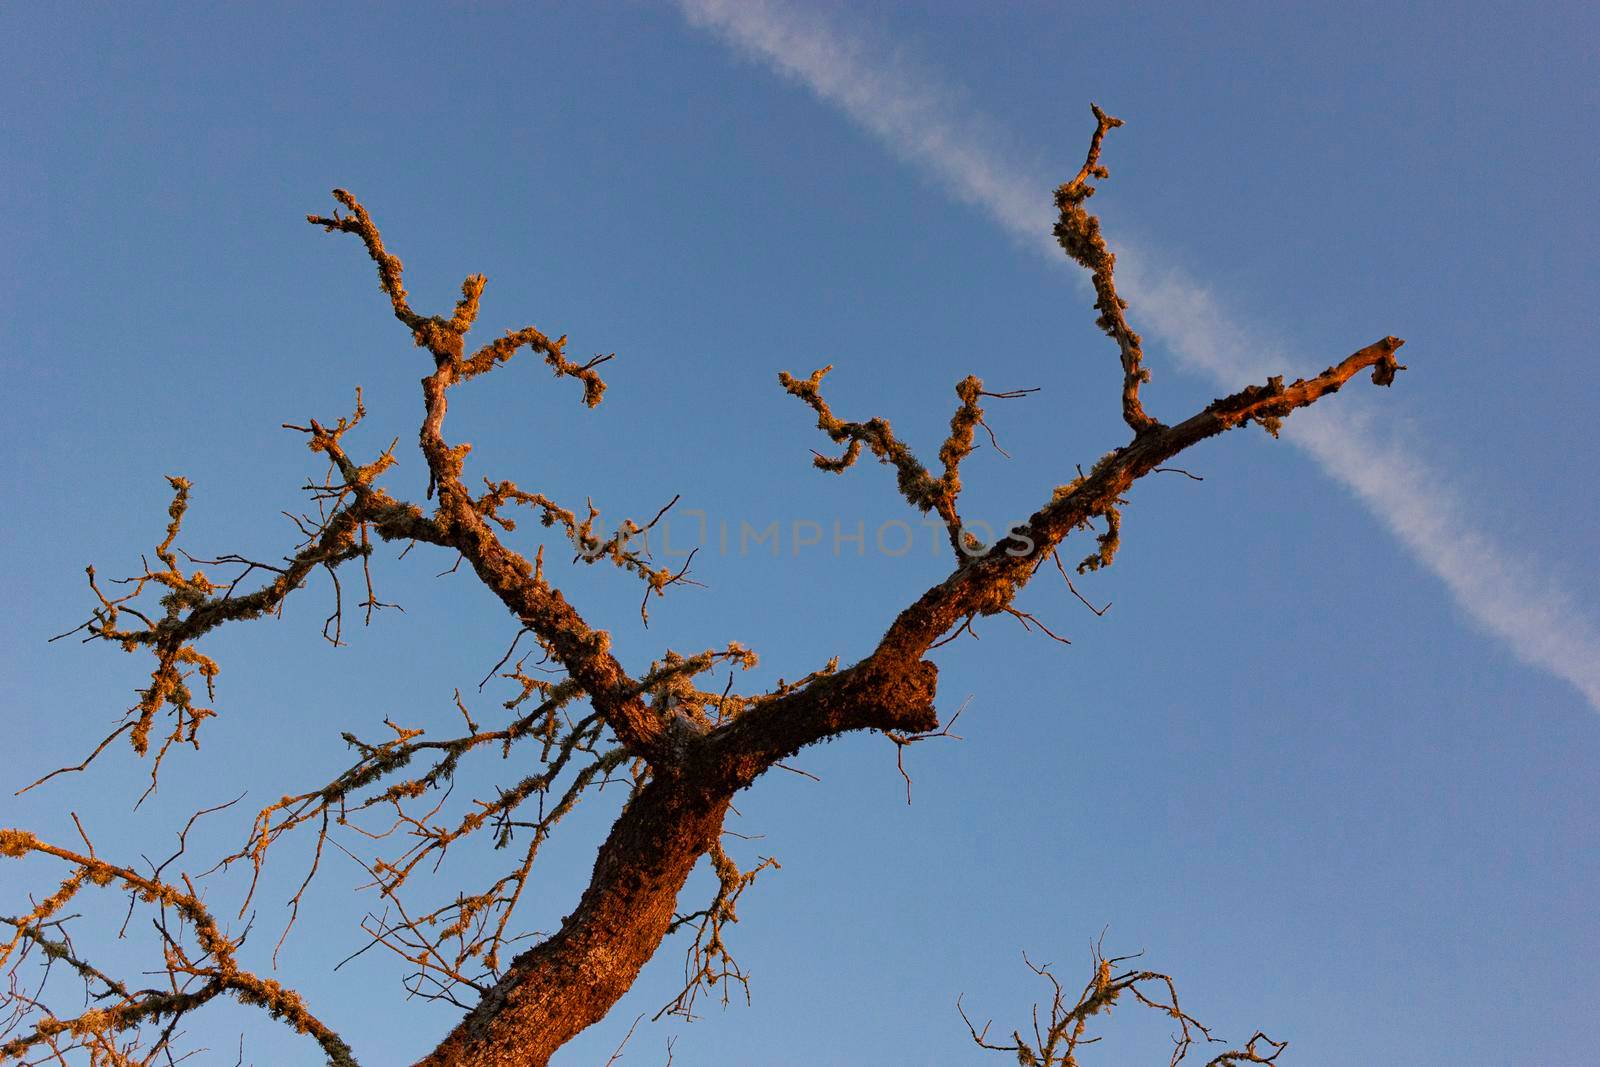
{"x":902,"y":741}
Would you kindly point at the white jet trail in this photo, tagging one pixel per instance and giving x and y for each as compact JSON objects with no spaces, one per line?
{"x":918,"y":119}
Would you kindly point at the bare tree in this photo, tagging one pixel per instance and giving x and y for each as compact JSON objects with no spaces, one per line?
{"x":682,"y":748}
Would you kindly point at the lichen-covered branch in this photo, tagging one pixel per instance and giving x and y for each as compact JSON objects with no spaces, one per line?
{"x":589,"y":545}
{"x":891,"y":689}
{"x":917,"y":484}
{"x":201,"y":963}
{"x":1078,"y":233}
{"x":1054,"y":1041}
{"x":584,"y":651}
{"x":194,"y":604}
{"x":708,"y":962}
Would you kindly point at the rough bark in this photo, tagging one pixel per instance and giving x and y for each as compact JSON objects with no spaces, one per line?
{"x":570,"y":981}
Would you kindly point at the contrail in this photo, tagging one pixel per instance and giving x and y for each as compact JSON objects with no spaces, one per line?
{"x":920,"y":120}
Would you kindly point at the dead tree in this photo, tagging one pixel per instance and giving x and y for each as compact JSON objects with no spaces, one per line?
{"x":681,"y":750}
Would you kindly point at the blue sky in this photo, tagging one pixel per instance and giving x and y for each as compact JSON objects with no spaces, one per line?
{"x":1330,"y":758}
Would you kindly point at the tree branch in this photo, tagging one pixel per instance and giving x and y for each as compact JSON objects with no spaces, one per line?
{"x":582,"y":650}
{"x":1078,"y":233}
{"x":197,"y":974}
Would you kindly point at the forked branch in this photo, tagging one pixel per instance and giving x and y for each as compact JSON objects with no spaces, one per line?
{"x":1055,"y":1039}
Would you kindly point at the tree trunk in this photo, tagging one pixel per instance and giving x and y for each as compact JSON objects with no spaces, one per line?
{"x":563,"y":985}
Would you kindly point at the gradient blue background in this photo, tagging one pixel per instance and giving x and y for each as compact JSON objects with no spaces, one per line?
{"x":1283,"y":763}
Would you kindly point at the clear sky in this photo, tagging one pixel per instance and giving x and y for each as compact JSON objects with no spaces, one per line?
{"x":1330,"y":758}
